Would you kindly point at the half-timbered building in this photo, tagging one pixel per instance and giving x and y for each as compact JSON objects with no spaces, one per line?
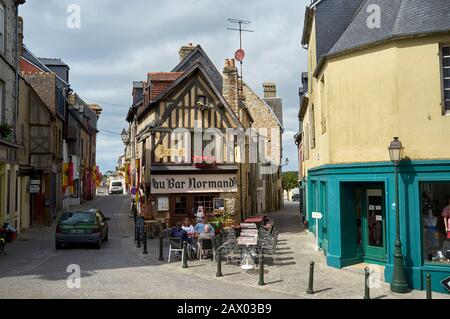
{"x":190,"y":141}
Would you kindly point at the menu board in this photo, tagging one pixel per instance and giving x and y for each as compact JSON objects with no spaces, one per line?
{"x":163,"y":203}
{"x":219,"y":205}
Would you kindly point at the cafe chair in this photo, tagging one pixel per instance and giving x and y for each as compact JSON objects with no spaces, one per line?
{"x":205,"y":245}
{"x":176,"y":245}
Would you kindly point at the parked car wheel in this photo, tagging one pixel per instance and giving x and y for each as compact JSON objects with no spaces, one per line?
{"x":98,"y":245}
{"x":106,"y":236}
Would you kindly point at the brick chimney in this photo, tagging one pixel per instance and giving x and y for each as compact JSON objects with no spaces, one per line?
{"x":230,"y":85}
{"x":20,"y":34}
{"x":270,"y":90}
{"x":185,"y":50}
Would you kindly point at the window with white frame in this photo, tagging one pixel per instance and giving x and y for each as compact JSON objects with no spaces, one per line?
{"x":2,"y":28}
{"x":446,"y":77}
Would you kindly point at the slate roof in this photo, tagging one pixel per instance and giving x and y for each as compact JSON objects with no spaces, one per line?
{"x":193,"y":68}
{"x":53,"y":62}
{"x":331,"y":20}
{"x":276,"y":108}
{"x":29,"y":56}
{"x":398,"y":18}
{"x":199,"y":55}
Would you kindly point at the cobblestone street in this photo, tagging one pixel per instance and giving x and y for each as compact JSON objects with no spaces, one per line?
{"x":32,"y":268}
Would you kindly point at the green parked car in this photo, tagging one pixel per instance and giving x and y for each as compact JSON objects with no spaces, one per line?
{"x":90,"y":227}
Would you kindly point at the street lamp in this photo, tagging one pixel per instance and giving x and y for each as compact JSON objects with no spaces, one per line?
{"x":124,"y":136}
{"x":286,"y":162}
{"x":398,"y":282}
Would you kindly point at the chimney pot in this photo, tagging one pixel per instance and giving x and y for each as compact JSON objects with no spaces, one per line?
{"x":232,"y":63}
{"x":270,"y":90}
{"x":227,"y":62}
{"x":185,"y":50}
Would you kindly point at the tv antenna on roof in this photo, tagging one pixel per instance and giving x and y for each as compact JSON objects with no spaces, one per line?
{"x":240,"y":54}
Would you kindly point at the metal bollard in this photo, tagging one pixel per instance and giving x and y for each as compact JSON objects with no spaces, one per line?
{"x":261,"y":269}
{"x":161,"y":248}
{"x":138,"y":232}
{"x":185,"y":265}
{"x":429,"y":286}
{"x":219,"y":263}
{"x":145,"y":252}
{"x":366,"y":283}
{"x":310,"y":290}
{"x":135,"y":230}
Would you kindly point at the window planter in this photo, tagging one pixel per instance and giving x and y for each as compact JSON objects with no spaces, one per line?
{"x":204,"y":161}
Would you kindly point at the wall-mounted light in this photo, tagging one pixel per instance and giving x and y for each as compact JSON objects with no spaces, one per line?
{"x":124,"y":136}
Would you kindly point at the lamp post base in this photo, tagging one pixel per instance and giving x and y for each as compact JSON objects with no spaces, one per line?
{"x":399,"y":284}
{"x":399,"y":287}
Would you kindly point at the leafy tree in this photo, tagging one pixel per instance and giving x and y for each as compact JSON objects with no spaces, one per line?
{"x":290,"y":180}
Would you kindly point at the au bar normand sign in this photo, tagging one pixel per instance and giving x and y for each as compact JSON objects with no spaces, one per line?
{"x":214,"y":183}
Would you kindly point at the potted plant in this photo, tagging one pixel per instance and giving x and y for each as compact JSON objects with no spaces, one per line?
{"x":5,"y":130}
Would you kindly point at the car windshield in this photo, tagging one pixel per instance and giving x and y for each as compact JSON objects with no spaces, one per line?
{"x":77,"y":218}
{"x":117,"y":184}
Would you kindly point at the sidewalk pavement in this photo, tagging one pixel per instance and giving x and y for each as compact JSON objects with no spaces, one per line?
{"x":290,"y":274}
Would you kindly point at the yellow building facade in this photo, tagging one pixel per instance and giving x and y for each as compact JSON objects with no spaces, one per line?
{"x":370,"y":85}
{"x":391,"y":89}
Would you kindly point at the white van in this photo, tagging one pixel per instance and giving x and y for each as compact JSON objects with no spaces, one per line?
{"x":115,"y":187}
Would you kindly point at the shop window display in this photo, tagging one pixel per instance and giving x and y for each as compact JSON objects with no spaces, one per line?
{"x":436,"y":222}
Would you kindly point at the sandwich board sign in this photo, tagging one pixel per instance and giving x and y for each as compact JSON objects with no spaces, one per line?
{"x":317,"y":216}
{"x":446,"y":284}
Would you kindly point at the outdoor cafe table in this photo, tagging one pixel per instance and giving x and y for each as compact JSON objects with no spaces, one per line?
{"x":258,"y":220}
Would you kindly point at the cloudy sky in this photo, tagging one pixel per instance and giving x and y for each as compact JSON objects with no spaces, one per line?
{"x":120,"y":41}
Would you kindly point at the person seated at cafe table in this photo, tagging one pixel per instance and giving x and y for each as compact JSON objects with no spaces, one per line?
{"x":187,"y":226}
{"x":200,"y":227}
{"x":208,"y":233}
{"x":179,"y":232}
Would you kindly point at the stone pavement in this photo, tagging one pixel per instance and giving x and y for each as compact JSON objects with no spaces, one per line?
{"x":290,"y":274}
{"x":32,"y":268}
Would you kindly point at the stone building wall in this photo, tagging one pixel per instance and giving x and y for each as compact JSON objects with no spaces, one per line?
{"x":268,"y":179}
{"x":8,"y":64}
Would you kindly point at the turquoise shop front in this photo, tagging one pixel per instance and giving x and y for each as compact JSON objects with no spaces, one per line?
{"x":357,"y":202}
